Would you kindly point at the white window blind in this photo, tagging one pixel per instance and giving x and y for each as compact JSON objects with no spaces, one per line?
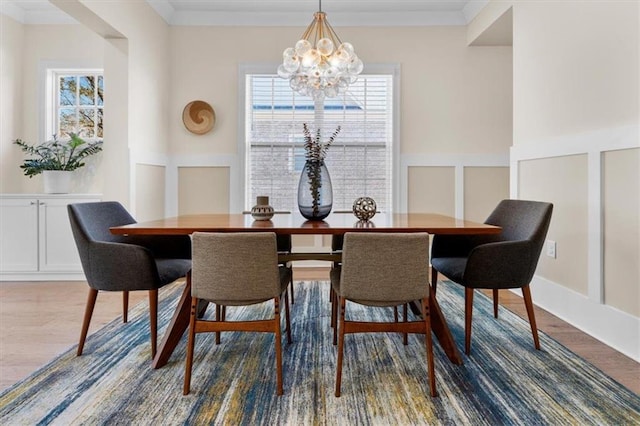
{"x":359,"y":161}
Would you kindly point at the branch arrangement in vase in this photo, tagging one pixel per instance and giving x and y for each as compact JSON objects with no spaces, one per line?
{"x":315,"y":153}
{"x":57,"y":154}
{"x":315,"y":150}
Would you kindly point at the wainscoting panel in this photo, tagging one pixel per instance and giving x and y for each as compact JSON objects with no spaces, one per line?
{"x":431,"y":189}
{"x":621,"y":229}
{"x":150,"y":192}
{"x":590,"y":312}
{"x":203,"y":190}
{"x":484,"y":188}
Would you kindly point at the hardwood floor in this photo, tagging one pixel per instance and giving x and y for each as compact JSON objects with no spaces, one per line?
{"x":39,"y":320}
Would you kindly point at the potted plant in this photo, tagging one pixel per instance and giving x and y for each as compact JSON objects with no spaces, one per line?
{"x":56,"y":158}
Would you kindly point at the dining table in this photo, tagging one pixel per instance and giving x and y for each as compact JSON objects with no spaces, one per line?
{"x":287,"y":223}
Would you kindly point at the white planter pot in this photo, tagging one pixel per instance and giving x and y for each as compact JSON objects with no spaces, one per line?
{"x":57,"y":181}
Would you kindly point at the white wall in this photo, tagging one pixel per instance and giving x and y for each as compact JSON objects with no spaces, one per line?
{"x":27,"y":51}
{"x":576,"y":98}
{"x":455,"y":100}
{"x":11,"y":46}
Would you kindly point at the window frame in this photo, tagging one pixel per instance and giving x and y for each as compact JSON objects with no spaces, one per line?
{"x":51,"y":96}
{"x":245,"y":70}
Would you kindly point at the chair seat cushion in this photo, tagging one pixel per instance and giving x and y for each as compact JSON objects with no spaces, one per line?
{"x":452,"y":267}
{"x":170,"y":270}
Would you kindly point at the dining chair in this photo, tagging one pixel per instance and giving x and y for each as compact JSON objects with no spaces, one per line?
{"x":382,"y":270}
{"x":337,"y":241}
{"x":237,"y":269}
{"x":501,"y":261}
{"x":285,"y":246}
{"x":124,"y":263}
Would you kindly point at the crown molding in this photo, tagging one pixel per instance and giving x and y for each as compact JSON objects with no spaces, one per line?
{"x":472,"y":9}
{"x":261,"y":17}
{"x":12,"y":11}
{"x":338,"y":18}
{"x":50,"y":15}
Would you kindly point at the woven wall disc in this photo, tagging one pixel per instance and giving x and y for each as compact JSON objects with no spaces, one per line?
{"x":198,"y":117}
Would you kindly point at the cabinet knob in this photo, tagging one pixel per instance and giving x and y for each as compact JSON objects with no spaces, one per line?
{"x":42,"y":203}
{"x":33,"y":203}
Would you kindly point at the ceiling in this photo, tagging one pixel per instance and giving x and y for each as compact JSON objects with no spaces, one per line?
{"x":276,"y":12}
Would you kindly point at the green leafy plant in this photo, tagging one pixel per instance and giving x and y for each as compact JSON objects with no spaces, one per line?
{"x":57,"y":154}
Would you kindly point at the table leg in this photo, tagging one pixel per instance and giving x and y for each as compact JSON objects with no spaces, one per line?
{"x":178,"y":325}
{"x":440,"y":328}
{"x":442,"y":331}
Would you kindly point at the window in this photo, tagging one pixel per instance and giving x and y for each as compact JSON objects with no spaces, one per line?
{"x":359,"y":161}
{"x":76,"y":103}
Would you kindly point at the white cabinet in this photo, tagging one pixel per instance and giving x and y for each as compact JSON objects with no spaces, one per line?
{"x":36,"y":242}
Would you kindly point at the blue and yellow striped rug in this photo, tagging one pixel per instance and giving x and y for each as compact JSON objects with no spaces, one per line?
{"x":504,"y":381}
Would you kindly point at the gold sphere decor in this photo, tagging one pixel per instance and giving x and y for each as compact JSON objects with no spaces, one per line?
{"x":364,"y":208}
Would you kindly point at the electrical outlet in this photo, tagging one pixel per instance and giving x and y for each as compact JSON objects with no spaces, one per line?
{"x":551,"y":248}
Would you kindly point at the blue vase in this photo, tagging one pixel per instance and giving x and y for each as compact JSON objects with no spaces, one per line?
{"x":315,"y":194}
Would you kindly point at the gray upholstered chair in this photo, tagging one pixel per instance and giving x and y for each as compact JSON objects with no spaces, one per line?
{"x":383,"y":270}
{"x":124,"y":263}
{"x":503,"y":261}
{"x":237,"y":269}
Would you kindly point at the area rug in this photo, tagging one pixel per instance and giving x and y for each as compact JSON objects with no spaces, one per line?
{"x":504,"y":380}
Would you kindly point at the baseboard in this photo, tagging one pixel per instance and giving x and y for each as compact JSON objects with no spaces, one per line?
{"x":42,"y":276}
{"x":611,"y":326}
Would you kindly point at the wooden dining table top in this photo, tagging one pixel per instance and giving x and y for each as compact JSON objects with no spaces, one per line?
{"x":294,"y":223}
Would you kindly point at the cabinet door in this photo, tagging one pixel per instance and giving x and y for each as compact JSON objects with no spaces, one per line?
{"x":58,"y":250}
{"x":18,"y":235}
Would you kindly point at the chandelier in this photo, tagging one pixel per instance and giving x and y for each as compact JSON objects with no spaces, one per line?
{"x":320,"y":65}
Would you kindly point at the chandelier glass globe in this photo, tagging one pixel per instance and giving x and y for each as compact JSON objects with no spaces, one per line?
{"x":319,"y":65}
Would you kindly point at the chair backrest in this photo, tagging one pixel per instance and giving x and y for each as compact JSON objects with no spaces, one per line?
{"x":232,"y":268}
{"x":521,"y":219}
{"x":385,"y":268}
{"x":91,"y":221}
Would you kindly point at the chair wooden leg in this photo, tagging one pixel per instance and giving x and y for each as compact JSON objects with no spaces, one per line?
{"x":434,"y":280}
{"x":153,"y":320}
{"x":528,"y":303}
{"x":340,"y":345}
{"x":190,"y":344}
{"x":218,"y":318}
{"x":495,"y":302}
{"x":334,"y":317}
{"x":88,"y":312}
{"x":331,"y":297}
{"x":125,"y":306}
{"x":277,"y":339}
{"x":287,"y":319}
{"x":291,"y":289}
{"x":405,"y":318}
{"x":429,"y":343}
{"x":468,"y":313}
